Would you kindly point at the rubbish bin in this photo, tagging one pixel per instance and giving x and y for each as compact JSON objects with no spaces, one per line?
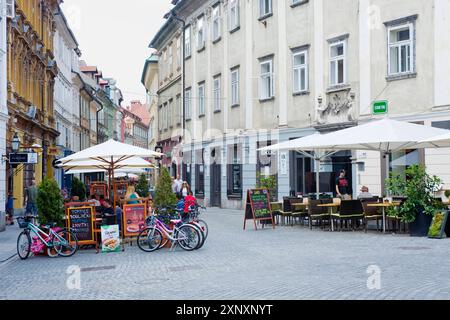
{"x":2,"y":221}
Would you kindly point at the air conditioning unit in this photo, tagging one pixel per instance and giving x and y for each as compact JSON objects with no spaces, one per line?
{"x":10,"y":9}
{"x":32,"y":112}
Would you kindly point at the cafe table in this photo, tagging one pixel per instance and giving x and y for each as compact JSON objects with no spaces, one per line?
{"x":330,"y":207}
{"x":383,"y":207}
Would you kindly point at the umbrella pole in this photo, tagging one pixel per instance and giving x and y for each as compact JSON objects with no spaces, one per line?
{"x":317,"y":178}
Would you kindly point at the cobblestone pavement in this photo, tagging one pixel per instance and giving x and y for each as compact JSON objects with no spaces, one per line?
{"x":286,"y":263}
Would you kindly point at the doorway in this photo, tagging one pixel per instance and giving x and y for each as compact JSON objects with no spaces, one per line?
{"x":216,"y":185}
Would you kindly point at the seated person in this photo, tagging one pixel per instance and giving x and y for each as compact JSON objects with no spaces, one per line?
{"x":75,"y":199}
{"x":189,"y":201}
{"x":365,"y":194}
{"x":108,"y":213}
{"x":93,"y":201}
{"x":102,"y":200}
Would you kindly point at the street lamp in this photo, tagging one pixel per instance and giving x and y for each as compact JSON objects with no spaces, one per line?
{"x":15,"y":144}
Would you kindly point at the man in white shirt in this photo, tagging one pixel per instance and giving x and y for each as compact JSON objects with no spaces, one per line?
{"x":178,"y":184}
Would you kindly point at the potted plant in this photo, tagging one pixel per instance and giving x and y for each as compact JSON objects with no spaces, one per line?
{"x":142,"y":187}
{"x":419,"y":188}
{"x":78,"y":189}
{"x":269,"y":183}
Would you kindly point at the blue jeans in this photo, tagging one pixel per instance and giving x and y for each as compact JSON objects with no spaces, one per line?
{"x":31,"y":208}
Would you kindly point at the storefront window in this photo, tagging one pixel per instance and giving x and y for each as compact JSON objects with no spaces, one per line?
{"x":200,"y":174}
{"x":234,"y":171}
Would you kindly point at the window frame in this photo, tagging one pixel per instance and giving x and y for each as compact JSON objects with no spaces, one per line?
{"x":234,"y":4}
{"x":201,"y":30}
{"x":270,"y":76}
{"x":411,"y":42}
{"x":187,"y":42}
{"x":268,"y":11}
{"x":188,"y":100}
{"x":235,"y":83}
{"x":216,"y":21}
{"x":299,"y":68}
{"x":217,"y":93}
{"x":201,"y":99}
{"x":336,"y":60}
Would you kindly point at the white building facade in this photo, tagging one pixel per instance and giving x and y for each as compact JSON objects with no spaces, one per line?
{"x":264,"y":71}
{"x":66,"y":95}
{"x":3,"y":103}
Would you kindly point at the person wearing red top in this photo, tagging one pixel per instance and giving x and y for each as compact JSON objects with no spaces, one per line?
{"x":189,"y":200}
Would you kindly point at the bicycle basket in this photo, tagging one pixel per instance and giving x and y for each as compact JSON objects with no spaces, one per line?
{"x":23,"y":222}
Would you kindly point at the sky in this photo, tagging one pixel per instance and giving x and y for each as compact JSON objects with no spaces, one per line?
{"x":114,"y":36}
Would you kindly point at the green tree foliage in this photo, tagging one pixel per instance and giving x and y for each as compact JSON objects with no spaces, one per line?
{"x":50,"y":202}
{"x":269,"y":183}
{"x":164,"y":195}
{"x":142,"y":186}
{"x":78,"y":189}
{"x":419,"y":188}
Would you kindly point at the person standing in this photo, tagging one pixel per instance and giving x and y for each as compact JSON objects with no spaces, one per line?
{"x":342,"y":185}
{"x":31,"y":198}
{"x":185,"y":189}
{"x":179,"y":184}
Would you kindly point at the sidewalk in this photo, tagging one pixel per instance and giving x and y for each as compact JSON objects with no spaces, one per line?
{"x":8,"y":242}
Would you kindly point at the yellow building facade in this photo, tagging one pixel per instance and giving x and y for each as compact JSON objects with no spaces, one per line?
{"x":31,"y":73}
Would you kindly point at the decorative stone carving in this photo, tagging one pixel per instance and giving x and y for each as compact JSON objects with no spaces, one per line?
{"x":338,"y":108}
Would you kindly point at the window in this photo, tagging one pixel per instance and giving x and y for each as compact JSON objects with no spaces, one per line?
{"x":266,"y":81}
{"x":265,"y":7}
{"x":216,"y":94}
{"x":199,"y":174}
{"x":234,"y":14}
{"x":201,"y":99}
{"x":170,"y":113}
{"x":300,"y":64}
{"x":179,"y":107}
{"x":216,"y":23}
{"x":234,"y":172}
{"x":10,"y":9}
{"x":179,"y":54}
{"x":200,"y":33}
{"x":235,"y":87}
{"x":170,"y":63}
{"x":401,"y":49}
{"x":187,"y":98}
{"x":338,"y":63}
{"x":187,"y":42}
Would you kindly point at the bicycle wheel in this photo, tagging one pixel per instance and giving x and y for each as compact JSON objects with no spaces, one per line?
{"x":204,"y":227}
{"x":24,"y":245}
{"x":63,"y":246}
{"x":188,"y":237}
{"x":149,"y":239}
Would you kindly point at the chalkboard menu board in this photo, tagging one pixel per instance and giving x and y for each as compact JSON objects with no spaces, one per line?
{"x":258,"y":206}
{"x":134,"y":216}
{"x":81,"y":222}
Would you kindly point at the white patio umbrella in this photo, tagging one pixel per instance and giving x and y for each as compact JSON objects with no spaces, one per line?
{"x":384,"y":136}
{"x":111,"y":153}
{"x":100,"y":166}
{"x":440,"y":141}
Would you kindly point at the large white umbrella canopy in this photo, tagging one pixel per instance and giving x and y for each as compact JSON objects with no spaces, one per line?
{"x":100,"y":166}
{"x":111,"y":152}
{"x":440,"y":141}
{"x":382,"y":135}
{"x":117,"y":173}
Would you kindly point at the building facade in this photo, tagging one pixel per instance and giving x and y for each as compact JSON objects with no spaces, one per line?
{"x":31,"y":78}
{"x":150,"y":80}
{"x":168,"y":43}
{"x":66,"y":96}
{"x":263,"y":72}
{"x":5,"y":12}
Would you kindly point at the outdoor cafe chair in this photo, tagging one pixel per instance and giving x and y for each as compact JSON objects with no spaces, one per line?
{"x":316,"y":213}
{"x":298,"y":214}
{"x":350,"y":211}
{"x":371,"y":213}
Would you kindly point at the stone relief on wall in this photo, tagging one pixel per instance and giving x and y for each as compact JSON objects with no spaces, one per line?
{"x":338,"y":108}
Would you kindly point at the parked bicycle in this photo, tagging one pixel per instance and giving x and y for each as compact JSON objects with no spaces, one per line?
{"x":187,"y":236}
{"x":57,"y":242}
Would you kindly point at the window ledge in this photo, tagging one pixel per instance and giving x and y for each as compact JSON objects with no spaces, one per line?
{"x":301,"y":93}
{"x":234,"y":196}
{"x":402,"y":76}
{"x":188,"y":120}
{"x":266,"y":16}
{"x":338,"y":87}
{"x":217,"y":40}
{"x":235,"y":29}
{"x":267,"y":99}
{"x":217,"y":111}
{"x":201,"y":49}
{"x":235,"y":105}
{"x":299,"y":3}
{"x":187,"y":58}
{"x":201,"y":116}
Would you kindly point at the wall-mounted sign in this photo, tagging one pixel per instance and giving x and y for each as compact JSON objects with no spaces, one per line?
{"x":283,"y":163}
{"x":380,"y":107}
{"x":23,"y":158}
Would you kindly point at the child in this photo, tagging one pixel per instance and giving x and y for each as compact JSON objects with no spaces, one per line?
{"x":189,"y":201}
